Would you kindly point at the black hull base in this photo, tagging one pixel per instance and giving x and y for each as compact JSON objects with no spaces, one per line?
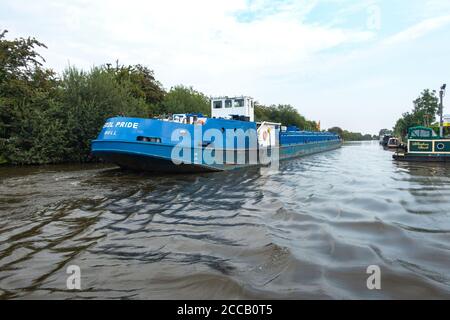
{"x":415,"y":158}
{"x":139,"y":161}
{"x":150,"y":164}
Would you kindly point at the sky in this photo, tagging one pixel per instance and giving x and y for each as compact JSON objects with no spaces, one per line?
{"x":353,"y":64}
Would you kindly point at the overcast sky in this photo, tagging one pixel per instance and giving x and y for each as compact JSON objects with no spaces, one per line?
{"x":353,"y":64}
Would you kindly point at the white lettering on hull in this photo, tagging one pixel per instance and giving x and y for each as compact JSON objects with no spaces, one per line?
{"x":121,"y":124}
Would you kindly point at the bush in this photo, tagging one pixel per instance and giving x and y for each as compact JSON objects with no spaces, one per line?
{"x":285,"y":114}
{"x":181,"y":99}
{"x":88,"y":99}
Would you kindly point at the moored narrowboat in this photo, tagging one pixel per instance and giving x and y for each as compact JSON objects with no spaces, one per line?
{"x":393,"y":143}
{"x":423,"y":144}
{"x":385,"y":139}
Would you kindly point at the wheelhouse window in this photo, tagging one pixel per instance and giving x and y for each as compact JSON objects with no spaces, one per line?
{"x":217,"y":104}
{"x":238,"y":103}
{"x":421,"y":133}
{"x":228,"y":103}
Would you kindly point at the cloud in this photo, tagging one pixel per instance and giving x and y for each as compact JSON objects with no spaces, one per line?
{"x":419,"y":30}
{"x":318,"y":55}
{"x":186,"y":36}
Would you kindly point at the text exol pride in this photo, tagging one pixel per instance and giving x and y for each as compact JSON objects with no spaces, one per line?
{"x":121,"y":124}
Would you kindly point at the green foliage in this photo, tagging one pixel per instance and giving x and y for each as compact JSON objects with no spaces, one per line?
{"x":336,"y":130}
{"x":384,"y":132}
{"x":423,"y":113}
{"x":18,"y":58}
{"x":27,"y":94}
{"x":140,"y":81}
{"x":351,"y":136}
{"x":181,"y":99}
{"x":285,"y":114}
{"x":88,"y":99}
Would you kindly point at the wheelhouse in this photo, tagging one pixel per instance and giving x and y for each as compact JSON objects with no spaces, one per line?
{"x":235,"y":108}
{"x":421,"y":133}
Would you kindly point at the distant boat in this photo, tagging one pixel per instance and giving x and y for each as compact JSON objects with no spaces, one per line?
{"x":385,"y":139}
{"x":393,"y":143}
{"x":194,"y":143}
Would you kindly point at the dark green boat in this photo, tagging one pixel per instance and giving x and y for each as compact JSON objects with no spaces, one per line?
{"x":425,"y":145}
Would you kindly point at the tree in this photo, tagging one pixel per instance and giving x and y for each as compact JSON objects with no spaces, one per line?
{"x":423,"y":113}
{"x":88,"y":99}
{"x":384,"y":132}
{"x":336,"y":130}
{"x":141,"y":81}
{"x":350,"y":136}
{"x":285,"y":114}
{"x":27,"y":92}
{"x":182,"y":99}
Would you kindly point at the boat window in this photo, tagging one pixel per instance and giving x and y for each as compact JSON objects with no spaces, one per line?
{"x":149,"y":139}
{"x":228,"y":103}
{"x":421,"y":133}
{"x":217,"y":104}
{"x":238,"y":103}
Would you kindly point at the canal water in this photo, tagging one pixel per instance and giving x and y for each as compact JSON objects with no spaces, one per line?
{"x":310,"y":230}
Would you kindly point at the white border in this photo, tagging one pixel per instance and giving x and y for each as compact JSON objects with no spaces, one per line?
{"x":433,"y":144}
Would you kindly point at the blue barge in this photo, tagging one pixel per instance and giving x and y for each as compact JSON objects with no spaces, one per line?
{"x":229,"y":139}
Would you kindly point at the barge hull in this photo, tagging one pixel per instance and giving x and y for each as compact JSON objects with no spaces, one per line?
{"x":140,"y":162}
{"x":131,"y":156}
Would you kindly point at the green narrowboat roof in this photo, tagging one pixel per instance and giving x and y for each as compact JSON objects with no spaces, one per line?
{"x":422,"y":133}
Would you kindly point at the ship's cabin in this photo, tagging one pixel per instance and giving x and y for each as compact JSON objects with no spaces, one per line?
{"x":393,"y":142}
{"x":236,"y":108}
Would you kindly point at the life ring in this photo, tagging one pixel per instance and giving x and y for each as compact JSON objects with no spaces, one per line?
{"x":440,"y":146}
{"x":265,"y":135}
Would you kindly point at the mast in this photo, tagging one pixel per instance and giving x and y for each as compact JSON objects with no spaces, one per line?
{"x":441,"y":110}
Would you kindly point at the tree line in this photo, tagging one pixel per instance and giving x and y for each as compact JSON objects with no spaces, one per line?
{"x":352,"y":136}
{"x":51,"y":118}
{"x":423,"y":113}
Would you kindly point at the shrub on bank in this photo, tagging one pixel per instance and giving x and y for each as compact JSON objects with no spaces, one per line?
{"x":87,"y":99}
